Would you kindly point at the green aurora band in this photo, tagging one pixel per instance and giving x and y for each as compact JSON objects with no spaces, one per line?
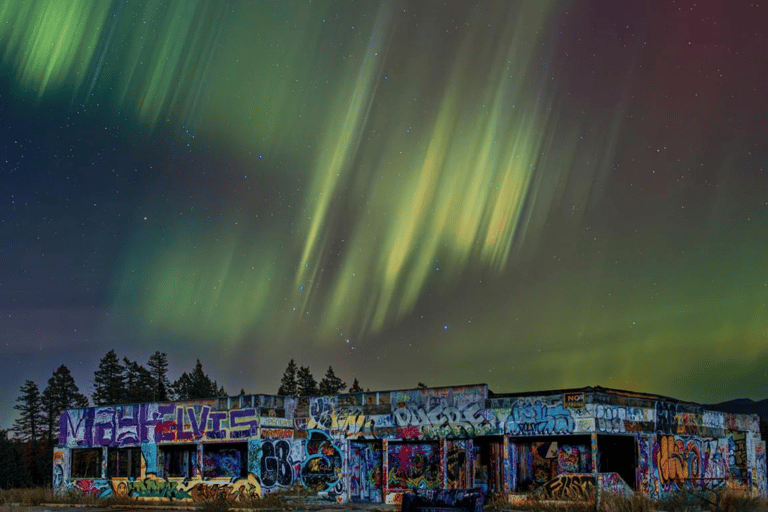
{"x":442,"y":175}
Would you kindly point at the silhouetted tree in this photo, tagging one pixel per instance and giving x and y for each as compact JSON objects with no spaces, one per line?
{"x":138,"y":382}
{"x":288,"y":386}
{"x":109,"y":381}
{"x":158,"y":367}
{"x":306,"y":383}
{"x":14,"y":472}
{"x":330,"y":384}
{"x":60,"y":394}
{"x":356,"y":387}
{"x":196,"y":385}
{"x":30,"y":421}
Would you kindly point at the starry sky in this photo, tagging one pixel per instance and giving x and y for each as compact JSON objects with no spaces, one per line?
{"x":534,"y":195}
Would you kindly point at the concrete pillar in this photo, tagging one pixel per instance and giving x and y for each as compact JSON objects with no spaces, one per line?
{"x":385,"y":469}
{"x":595,"y":454}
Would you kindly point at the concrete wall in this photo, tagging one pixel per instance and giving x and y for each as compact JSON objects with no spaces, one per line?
{"x":374,"y":446}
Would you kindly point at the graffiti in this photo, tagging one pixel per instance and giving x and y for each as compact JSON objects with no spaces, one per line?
{"x":242,"y":489}
{"x":149,"y":458}
{"x":688,"y":424}
{"x":643,"y":466}
{"x":135,"y":424}
{"x":224,"y":462}
{"x":276,"y":433}
{"x":154,"y":488}
{"x":666,"y":416}
{"x":448,"y":421}
{"x":150,"y":487}
{"x":95,"y":488}
{"x":677,"y":460}
{"x":759,"y":476}
{"x":569,"y":487}
{"x":275,"y":464}
{"x":715,"y":459}
{"x":711,"y":419}
{"x":612,"y":483}
{"x":414,"y":466}
{"x":568,"y":459}
{"x":269,"y":421}
{"x":326,"y":415}
{"x":365,"y":472}
{"x":536,"y":418}
{"x":323,"y":466}
{"x":737,"y":455}
{"x":617,"y":419}
{"x":456,"y":467}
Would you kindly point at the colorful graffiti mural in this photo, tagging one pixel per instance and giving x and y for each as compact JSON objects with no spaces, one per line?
{"x":322,"y":470}
{"x":569,"y":487}
{"x":448,"y":421}
{"x":128,"y":425}
{"x":618,"y":419}
{"x":372,"y":447}
{"x":534,"y":417}
{"x":678,"y":460}
{"x":414,"y":465}
{"x":365,"y":472}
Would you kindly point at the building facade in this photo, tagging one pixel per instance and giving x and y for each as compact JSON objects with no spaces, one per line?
{"x":375,"y":446}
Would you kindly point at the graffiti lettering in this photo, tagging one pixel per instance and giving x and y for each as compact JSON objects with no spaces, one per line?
{"x":275,"y":464}
{"x":447,"y":421}
{"x":151,"y":423}
{"x":677,"y":460}
{"x":569,"y":487}
{"x":536,"y":418}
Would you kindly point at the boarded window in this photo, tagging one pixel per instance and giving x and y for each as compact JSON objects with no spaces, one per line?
{"x":86,"y":463}
{"x":179,"y":461}
{"x":123,"y":462}
{"x":225,"y":460}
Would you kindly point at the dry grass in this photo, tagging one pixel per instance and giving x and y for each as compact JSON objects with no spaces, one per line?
{"x":634,"y":503}
{"x":29,"y":496}
{"x":735,"y":501}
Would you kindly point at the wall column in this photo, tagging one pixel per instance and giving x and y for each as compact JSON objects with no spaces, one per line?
{"x":595,"y":468}
{"x":384,"y":469}
{"x":443,"y":463}
{"x":104,"y":455}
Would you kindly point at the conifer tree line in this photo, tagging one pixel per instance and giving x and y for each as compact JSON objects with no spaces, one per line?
{"x":26,"y":450}
{"x":299,"y":381}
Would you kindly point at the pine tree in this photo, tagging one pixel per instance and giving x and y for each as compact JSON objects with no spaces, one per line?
{"x":158,"y":367}
{"x":288,"y":385}
{"x":14,"y":471}
{"x":138,"y":382}
{"x":331,"y":384}
{"x":197,"y":385}
{"x":305,"y":382}
{"x":109,"y":381}
{"x":356,"y":387}
{"x":28,"y":425}
{"x":60,"y":394}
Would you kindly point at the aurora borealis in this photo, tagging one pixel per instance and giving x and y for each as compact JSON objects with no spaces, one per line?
{"x":530,"y":194}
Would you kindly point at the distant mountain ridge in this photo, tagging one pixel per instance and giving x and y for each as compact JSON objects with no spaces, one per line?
{"x":743,"y":406}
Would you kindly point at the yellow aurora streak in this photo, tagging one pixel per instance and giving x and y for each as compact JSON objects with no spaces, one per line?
{"x":428,"y":171}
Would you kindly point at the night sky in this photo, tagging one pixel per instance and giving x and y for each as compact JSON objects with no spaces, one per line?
{"x":534,"y":195}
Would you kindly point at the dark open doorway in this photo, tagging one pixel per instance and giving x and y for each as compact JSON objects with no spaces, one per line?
{"x":618,"y":454}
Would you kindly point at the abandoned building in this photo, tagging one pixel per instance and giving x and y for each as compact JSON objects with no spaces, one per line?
{"x":375,"y":446}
